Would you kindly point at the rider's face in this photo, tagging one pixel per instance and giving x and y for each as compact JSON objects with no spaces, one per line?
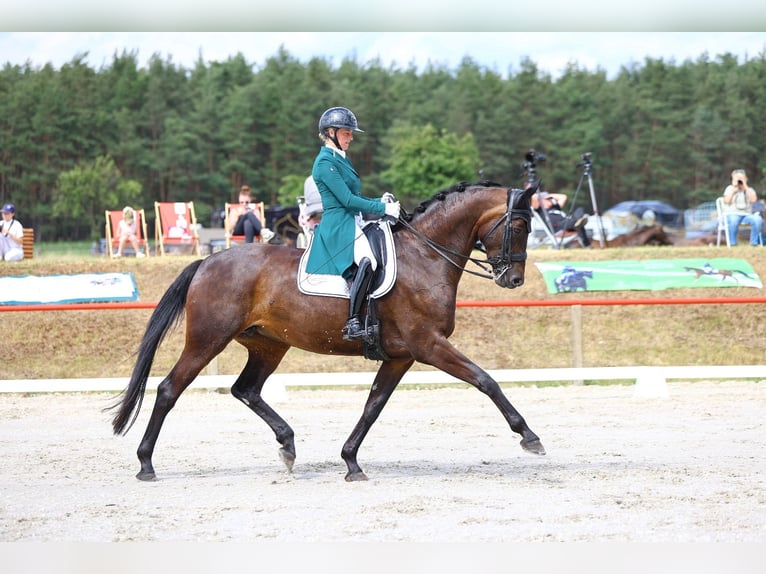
{"x":345,"y":137}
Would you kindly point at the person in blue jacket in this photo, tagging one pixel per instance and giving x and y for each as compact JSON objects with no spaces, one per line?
{"x":339,"y":246}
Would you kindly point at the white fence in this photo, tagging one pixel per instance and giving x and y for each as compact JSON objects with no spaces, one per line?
{"x":649,"y":381}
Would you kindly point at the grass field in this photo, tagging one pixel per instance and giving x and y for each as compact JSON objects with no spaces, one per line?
{"x":61,"y":344}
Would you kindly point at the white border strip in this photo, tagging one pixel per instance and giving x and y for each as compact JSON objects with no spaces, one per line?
{"x":284,"y":380}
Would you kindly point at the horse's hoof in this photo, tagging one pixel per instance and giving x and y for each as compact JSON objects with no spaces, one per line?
{"x":534,"y":446}
{"x":288,"y":458}
{"x":356,"y":476}
{"x":146,"y":476}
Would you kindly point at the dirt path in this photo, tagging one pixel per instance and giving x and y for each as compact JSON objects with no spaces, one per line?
{"x":442,"y":463}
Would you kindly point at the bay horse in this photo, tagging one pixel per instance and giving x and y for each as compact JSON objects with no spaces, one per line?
{"x":250,"y":295}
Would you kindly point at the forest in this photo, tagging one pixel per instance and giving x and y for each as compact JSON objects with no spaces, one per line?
{"x":78,"y":140}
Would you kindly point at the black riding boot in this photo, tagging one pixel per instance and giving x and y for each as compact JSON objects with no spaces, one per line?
{"x":358,"y":293}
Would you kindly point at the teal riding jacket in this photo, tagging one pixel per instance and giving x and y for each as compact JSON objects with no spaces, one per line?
{"x":332,"y":249}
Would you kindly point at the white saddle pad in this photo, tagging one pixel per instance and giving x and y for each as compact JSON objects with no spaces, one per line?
{"x":335,"y":285}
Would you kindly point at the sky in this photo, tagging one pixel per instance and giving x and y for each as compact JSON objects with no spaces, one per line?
{"x":501,"y":52}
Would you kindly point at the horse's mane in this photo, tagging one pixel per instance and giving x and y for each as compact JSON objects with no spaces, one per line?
{"x":442,"y":195}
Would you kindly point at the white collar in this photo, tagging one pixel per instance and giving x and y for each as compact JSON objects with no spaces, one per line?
{"x":340,"y":152}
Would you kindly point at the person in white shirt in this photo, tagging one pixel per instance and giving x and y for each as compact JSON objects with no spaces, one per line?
{"x":127,"y":231}
{"x":11,"y":235}
{"x":739,"y":198}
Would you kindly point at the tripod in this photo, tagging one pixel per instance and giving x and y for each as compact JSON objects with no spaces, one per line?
{"x":587,"y":166}
{"x":530,"y":167}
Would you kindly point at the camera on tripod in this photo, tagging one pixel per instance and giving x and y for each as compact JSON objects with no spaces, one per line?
{"x":586,"y":160}
{"x":530,"y":165}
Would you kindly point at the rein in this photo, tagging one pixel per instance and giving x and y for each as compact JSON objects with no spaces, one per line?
{"x":500,"y":263}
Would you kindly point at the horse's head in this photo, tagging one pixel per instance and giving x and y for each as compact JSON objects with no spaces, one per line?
{"x":505,"y":238}
{"x":497,"y":217}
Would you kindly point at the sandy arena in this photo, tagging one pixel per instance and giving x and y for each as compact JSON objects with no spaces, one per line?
{"x":443,"y":466}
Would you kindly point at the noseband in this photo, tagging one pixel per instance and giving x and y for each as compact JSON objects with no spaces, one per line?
{"x":500,"y":263}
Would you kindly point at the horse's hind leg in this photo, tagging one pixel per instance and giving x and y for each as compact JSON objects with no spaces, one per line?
{"x":180,"y":377}
{"x":263,"y":358}
{"x":388,"y":377}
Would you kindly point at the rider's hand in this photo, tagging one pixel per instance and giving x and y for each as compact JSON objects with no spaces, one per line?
{"x":388,"y":198}
{"x":393,"y":209}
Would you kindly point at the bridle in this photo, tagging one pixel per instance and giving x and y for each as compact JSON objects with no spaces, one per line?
{"x":501,"y":262}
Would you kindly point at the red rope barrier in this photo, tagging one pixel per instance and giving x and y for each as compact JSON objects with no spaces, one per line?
{"x":606,"y":302}
{"x":520,"y":303}
{"x":79,"y":306}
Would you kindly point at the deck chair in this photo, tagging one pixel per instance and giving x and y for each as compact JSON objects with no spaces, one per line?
{"x":175,"y":226}
{"x":723,"y":224}
{"x":260,"y":212}
{"x":113,"y":218}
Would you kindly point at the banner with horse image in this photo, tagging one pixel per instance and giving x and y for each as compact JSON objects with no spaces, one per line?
{"x":647,"y":275}
{"x":77,"y":288}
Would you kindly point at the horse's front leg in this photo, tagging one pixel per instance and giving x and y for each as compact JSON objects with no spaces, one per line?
{"x":386,"y":380}
{"x":442,"y":355}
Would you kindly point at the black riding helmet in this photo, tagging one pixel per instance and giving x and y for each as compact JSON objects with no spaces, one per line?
{"x":337,"y":118}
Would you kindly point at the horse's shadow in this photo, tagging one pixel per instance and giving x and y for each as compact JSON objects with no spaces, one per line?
{"x":523,"y":467}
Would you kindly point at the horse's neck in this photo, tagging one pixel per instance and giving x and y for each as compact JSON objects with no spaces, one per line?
{"x":455,"y":226}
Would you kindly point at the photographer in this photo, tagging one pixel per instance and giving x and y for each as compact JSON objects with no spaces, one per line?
{"x":550,"y":206}
{"x":739,"y":199}
{"x":553,"y":204}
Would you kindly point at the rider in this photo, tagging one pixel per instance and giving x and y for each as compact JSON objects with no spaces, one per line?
{"x":340,"y":247}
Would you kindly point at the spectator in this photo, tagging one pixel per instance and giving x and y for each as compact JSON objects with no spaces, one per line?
{"x":244,"y":219}
{"x":739,"y":199}
{"x":553,"y":204}
{"x":11,"y":235}
{"x":126,"y":232}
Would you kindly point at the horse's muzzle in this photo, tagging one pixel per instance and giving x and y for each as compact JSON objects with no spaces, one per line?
{"x":510,"y":279}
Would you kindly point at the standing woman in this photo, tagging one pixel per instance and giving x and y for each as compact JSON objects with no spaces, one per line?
{"x":340,"y":247}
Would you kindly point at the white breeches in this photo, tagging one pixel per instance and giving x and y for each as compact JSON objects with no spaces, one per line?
{"x":362,"y":248}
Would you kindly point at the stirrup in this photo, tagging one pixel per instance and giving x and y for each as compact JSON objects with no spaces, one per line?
{"x":353,"y":330}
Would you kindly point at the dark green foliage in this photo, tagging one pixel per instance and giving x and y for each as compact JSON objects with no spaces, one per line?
{"x":658,"y":130}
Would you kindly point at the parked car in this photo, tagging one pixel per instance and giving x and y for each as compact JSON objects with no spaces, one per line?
{"x":650,"y":211}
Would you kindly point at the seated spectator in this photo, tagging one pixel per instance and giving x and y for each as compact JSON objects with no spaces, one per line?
{"x":126,"y":232}
{"x":739,"y":200}
{"x":553,"y":203}
{"x":244,"y":221}
{"x":11,"y":235}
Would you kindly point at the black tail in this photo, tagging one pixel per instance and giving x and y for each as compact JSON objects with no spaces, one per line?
{"x":167,"y":315}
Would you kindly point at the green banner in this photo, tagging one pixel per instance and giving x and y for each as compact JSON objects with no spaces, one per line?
{"x":647,"y":275}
